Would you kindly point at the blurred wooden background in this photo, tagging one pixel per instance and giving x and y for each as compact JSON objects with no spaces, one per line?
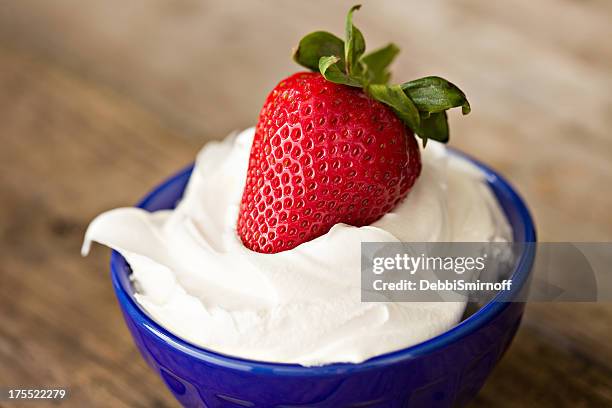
{"x":101,"y":100}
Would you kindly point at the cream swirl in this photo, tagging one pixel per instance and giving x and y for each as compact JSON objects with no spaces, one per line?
{"x":193,"y":275}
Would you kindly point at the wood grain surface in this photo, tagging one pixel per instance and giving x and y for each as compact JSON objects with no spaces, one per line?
{"x":99,"y":101}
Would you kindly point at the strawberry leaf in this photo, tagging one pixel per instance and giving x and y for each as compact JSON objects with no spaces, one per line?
{"x":332,"y":71}
{"x":434,"y":126}
{"x":394,"y":96}
{"x":421,"y":104}
{"x":377,"y":62}
{"x":354,"y":46}
{"x":316,"y":45}
{"x":435,"y":94}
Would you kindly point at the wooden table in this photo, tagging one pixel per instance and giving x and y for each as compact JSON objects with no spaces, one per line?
{"x":100,"y":101}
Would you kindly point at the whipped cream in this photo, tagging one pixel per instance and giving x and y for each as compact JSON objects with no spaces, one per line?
{"x":193,"y":275}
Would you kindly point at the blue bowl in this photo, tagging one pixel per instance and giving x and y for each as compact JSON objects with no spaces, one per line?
{"x":447,"y":370}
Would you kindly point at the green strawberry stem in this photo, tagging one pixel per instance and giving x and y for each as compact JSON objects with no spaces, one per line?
{"x":421,"y":104}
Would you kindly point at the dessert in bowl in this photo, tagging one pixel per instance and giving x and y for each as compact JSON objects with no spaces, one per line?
{"x":446,"y":370}
{"x":243,"y":284}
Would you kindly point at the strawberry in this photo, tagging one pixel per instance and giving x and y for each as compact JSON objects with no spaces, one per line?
{"x":337,"y":145}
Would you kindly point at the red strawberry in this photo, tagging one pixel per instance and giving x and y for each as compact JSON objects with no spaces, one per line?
{"x":323,"y":153}
{"x":326,"y":151}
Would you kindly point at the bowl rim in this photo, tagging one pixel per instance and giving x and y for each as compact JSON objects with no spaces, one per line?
{"x":481,"y":317}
